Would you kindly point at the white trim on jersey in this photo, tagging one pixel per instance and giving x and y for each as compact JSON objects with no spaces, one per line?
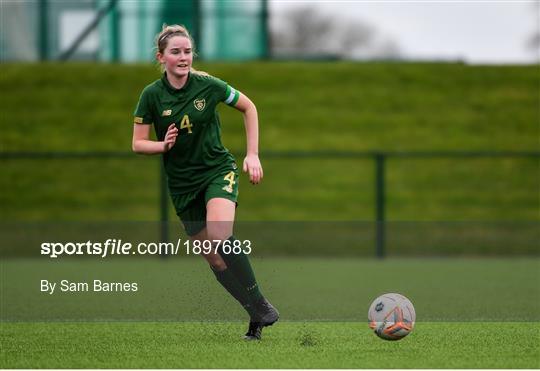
{"x":230,"y":98}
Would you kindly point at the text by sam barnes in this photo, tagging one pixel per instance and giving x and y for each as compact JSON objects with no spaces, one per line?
{"x":92,"y":286}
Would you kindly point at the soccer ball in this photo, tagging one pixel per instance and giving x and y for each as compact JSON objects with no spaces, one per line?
{"x":391,"y":316}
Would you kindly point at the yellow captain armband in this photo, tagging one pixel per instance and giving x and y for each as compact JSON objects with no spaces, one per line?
{"x":138,"y":120}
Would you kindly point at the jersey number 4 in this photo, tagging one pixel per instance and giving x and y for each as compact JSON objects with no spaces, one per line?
{"x":230,"y":178}
{"x":185,"y":124}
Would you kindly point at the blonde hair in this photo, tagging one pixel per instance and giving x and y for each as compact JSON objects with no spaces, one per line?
{"x":168,"y":31}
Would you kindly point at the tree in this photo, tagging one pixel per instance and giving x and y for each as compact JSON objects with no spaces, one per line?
{"x":306,"y":32}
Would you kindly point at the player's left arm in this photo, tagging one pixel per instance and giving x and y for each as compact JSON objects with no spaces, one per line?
{"x":252,"y":164}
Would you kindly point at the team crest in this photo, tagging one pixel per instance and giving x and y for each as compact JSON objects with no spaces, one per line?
{"x":227,"y":188}
{"x":199,"y":104}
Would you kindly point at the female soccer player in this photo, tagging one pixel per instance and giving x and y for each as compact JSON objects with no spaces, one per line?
{"x":202,"y":175}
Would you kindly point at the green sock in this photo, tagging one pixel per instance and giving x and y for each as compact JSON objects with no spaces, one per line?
{"x":240,"y":267}
{"x":227,"y":279}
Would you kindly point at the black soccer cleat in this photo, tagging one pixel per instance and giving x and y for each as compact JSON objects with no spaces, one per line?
{"x":254,"y":331}
{"x":266,"y":313}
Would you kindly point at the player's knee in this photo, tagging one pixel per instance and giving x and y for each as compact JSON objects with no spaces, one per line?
{"x":216,"y":262}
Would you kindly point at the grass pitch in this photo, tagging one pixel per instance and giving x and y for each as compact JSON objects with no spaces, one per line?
{"x":285,"y":345}
{"x":472,"y":313}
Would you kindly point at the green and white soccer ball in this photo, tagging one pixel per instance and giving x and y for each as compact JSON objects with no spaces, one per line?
{"x":391,"y":316}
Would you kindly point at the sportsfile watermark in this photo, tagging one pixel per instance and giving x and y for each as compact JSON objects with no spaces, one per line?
{"x":54,"y":240}
{"x":329,"y":271}
{"x":119,"y":247}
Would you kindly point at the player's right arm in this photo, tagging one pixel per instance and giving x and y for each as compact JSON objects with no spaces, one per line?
{"x":142,"y":143}
{"x":142,"y":122}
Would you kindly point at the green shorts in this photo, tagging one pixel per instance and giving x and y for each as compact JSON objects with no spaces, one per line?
{"x":191,"y":207}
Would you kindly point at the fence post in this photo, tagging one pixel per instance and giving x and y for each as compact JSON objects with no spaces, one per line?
{"x":43,"y":29}
{"x":114,"y":32}
{"x":163,"y":203}
{"x":379,"y":205}
{"x":265,"y":37}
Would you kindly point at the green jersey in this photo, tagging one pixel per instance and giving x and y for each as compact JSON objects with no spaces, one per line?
{"x":198,"y":153}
